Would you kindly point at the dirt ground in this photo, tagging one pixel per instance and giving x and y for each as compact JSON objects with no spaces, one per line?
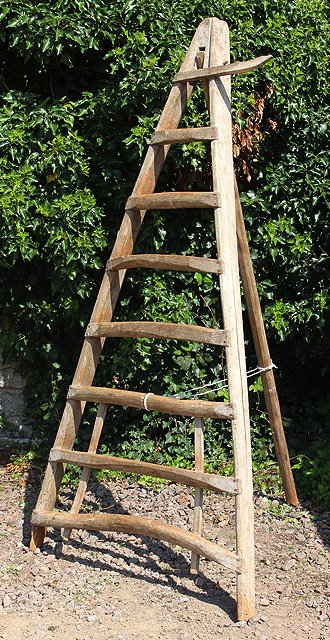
{"x":115,"y":586}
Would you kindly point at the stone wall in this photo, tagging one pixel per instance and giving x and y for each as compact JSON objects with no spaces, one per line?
{"x":12,"y":424}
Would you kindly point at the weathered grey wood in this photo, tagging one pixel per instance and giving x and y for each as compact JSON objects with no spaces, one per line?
{"x":184,"y":135}
{"x":111,"y":283}
{"x":164,"y":404}
{"x":162,"y":330}
{"x":198,"y":500}
{"x":140,"y":526}
{"x":225,"y":226}
{"x":167,"y":262}
{"x":85,"y":474}
{"x":175,"y":200}
{"x":185,"y":476}
{"x":263,"y":356}
{"x":222,"y":70}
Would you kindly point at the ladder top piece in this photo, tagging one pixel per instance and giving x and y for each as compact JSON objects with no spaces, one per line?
{"x":195,"y":134}
{"x":223,"y":70}
{"x":175,"y":200}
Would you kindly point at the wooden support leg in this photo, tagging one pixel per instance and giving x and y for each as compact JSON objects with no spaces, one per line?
{"x":263,"y":355}
{"x":225,"y":227}
{"x":198,"y":506}
{"x":37,"y":537}
{"x":85,"y":474}
{"x":55,"y":470}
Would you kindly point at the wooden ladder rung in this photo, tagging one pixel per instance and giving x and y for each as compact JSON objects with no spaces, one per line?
{"x":164,"y":404}
{"x":162,"y":330}
{"x":175,"y":200}
{"x":223,"y":70}
{"x":140,"y":526}
{"x":184,"y":476}
{"x":194,"y":134}
{"x":170,"y":262}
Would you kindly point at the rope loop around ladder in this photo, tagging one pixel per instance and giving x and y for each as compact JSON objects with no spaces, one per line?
{"x":145,"y":400}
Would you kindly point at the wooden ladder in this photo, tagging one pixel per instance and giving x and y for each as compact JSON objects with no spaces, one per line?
{"x":207,"y":59}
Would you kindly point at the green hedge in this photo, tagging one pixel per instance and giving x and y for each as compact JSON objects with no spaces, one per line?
{"x":83,"y":84}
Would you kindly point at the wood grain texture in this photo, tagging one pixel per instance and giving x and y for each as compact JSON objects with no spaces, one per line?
{"x":225,"y":226}
{"x":194,"y":134}
{"x":222,"y":70}
{"x":175,"y":200}
{"x":167,"y":262}
{"x":140,"y":526}
{"x":195,"y":478}
{"x":263,"y":356}
{"x":175,"y":406}
{"x":161,"y":330}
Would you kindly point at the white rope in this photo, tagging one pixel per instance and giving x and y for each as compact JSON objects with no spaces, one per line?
{"x":216,"y":386}
{"x":271,"y":366}
{"x":145,"y":400}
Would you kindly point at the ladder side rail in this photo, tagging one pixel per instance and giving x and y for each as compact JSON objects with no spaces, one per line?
{"x":223,"y":178}
{"x":112,"y":282}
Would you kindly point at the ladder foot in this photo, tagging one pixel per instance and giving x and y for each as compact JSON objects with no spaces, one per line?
{"x":246,"y":606}
{"x":37,"y":537}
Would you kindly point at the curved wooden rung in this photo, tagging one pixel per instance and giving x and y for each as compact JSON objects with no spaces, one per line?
{"x":151,"y":402}
{"x":162,"y":330}
{"x":140,"y":526}
{"x":175,"y":136}
{"x":223,"y":70}
{"x":184,"y":476}
{"x":175,"y":200}
{"x":170,"y":262}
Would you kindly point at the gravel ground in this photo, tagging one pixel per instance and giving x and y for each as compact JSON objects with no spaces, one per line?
{"x":115,"y":586}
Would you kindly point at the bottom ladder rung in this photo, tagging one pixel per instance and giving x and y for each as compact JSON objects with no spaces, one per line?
{"x":140,"y":526}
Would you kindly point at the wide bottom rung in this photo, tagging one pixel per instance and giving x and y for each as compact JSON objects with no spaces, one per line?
{"x":140,"y":526}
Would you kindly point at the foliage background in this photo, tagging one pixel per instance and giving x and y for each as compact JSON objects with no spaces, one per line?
{"x":82,"y":86}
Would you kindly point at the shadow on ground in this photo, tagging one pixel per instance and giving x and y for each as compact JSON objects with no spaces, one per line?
{"x":142,"y":553}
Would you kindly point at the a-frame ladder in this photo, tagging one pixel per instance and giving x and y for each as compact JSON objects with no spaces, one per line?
{"x":207,"y":59}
